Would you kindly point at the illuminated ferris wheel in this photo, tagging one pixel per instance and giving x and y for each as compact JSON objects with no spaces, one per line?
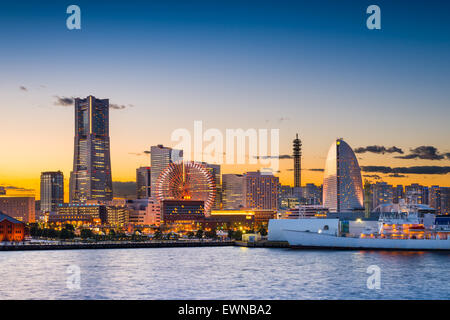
{"x":187,"y":181}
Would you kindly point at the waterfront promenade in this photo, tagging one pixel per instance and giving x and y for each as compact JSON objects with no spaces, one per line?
{"x":66,"y":245}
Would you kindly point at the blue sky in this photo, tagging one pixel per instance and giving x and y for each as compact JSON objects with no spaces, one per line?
{"x":302,"y":66}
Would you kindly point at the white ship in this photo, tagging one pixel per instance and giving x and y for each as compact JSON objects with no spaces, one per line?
{"x":405,"y":229}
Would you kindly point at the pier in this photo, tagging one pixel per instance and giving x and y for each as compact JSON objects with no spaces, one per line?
{"x":112,"y":245}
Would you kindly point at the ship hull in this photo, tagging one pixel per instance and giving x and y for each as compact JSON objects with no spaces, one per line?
{"x":303,"y":239}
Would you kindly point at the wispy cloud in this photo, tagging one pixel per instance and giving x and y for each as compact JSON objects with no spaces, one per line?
{"x":143,"y":153}
{"x":372,"y":176}
{"x":378,"y":149}
{"x":407,"y":170}
{"x":281,"y":157}
{"x":17,"y":188}
{"x":397,"y":175}
{"x":64,"y":101}
{"x":69,"y":101}
{"x":425,"y":153}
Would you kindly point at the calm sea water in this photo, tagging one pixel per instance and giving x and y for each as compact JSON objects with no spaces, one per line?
{"x":223,"y":273}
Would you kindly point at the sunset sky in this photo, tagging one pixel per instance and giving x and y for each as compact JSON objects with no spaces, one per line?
{"x":310,"y":67}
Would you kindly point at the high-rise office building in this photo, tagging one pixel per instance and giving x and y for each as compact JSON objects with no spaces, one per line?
{"x":312,"y":194}
{"x":91,"y":175}
{"x":261,"y":191}
{"x":286,"y":198}
{"x":435,"y":198}
{"x":161,"y":157}
{"x":398,"y":193}
{"x":143,"y":182}
{"x":439,"y":198}
{"x":382,"y":193}
{"x":368,"y":199}
{"x":233,"y":193}
{"x":416,"y":193}
{"x":342,"y":183}
{"x":52,"y":190}
{"x":297,"y":153}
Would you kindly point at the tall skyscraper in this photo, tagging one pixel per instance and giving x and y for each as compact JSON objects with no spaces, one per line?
{"x":143,"y":182}
{"x":297,"y":153}
{"x":52,"y":190}
{"x":233,"y":194}
{"x":435,"y":198}
{"x":439,"y":198}
{"x":342,"y":183}
{"x":261,"y":191}
{"x":91,"y":175}
{"x":161,"y":157}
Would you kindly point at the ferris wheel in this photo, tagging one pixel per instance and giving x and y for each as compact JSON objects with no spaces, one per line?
{"x":186,"y":180}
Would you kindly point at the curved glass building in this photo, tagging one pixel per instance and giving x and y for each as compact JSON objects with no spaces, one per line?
{"x":342,"y":183}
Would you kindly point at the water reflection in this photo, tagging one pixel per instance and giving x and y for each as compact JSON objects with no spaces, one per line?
{"x":223,"y":273}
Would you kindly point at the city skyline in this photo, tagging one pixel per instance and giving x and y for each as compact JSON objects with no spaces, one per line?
{"x":324,"y":78}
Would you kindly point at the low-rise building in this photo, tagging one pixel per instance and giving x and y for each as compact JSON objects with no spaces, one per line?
{"x":11,"y":229}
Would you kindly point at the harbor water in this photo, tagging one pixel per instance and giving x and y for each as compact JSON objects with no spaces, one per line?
{"x":223,"y":273}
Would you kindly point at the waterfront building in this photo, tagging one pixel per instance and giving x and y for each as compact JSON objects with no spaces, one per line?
{"x":445,"y":200}
{"x":91,"y":175}
{"x":342,"y":183}
{"x":311,"y":194}
{"x":2,"y":191}
{"x":307,"y":211}
{"x":231,"y":220}
{"x":368,"y":198}
{"x":416,"y":193}
{"x":143,"y":182}
{"x":185,"y":215}
{"x":161,"y":157}
{"x":233,"y":194}
{"x":52,"y":191}
{"x":11,"y":229}
{"x":439,"y":198}
{"x":76,"y":219}
{"x":19,"y":208}
{"x":382,"y":193}
{"x":117,"y":216}
{"x":398,"y":193}
{"x":261,"y":191}
{"x":145,"y":212}
{"x":80,"y":212}
{"x":435,"y":198}
{"x":286,"y":198}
